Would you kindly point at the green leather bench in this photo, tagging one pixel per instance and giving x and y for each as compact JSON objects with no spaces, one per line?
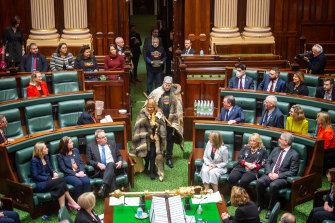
{"x":39,"y":118}
{"x":8,"y":89}
{"x":249,"y":108}
{"x":24,"y":83}
{"x":65,"y":82}
{"x":14,"y":128}
{"x":69,"y":112}
{"x":312,"y":82}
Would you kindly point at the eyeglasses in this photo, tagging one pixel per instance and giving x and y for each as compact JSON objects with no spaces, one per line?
{"x":4,"y":122}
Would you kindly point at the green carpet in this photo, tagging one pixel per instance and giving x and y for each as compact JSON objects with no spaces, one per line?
{"x":177,"y":176}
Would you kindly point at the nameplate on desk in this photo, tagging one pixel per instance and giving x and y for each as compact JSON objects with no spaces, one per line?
{"x":209,"y":198}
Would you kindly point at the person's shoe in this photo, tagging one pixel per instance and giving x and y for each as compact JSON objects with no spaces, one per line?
{"x":169,"y":163}
{"x":152,"y":176}
{"x":73,"y":207}
{"x":228,"y":203}
{"x":260,"y":208}
{"x":101,"y":192}
{"x":268,"y":214}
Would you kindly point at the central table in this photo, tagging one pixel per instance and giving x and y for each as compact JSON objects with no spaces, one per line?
{"x":125,"y":214}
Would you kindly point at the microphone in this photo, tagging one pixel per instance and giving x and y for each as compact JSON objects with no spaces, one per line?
{"x":193,"y":216}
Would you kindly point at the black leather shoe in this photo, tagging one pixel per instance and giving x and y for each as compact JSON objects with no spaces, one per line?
{"x":260,"y":208}
{"x":101,"y":192}
{"x":152,"y":176}
{"x":268,"y":214}
{"x":169,"y":163}
{"x":228,"y":203}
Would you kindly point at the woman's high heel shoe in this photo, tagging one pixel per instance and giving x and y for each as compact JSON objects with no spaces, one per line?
{"x":73,"y":207}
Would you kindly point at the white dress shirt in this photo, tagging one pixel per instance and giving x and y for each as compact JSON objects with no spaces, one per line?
{"x":108,"y":154}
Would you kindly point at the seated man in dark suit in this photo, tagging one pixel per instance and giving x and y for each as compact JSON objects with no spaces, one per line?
{"x":188,"y":47}
{"x":282,"y":163}
{"x":8,"y":216}
{"x":271,"y":116}
{"x":272,"y":82}
{"x":231,"y":112}
{"x":241,"y":81}
{"x":103,"y":155}
{"x":33,"y":61}
{"x":3,"y":125}
{"x":327,"y":91}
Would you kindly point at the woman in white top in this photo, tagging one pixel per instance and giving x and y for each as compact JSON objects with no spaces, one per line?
{"x":215,"y":161}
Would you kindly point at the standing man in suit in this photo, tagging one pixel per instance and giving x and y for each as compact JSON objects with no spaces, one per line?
{"x":327,"y":91}
{"x":188,"y":47}
{"x":272,"y":82}
{"x":231,"y":112}
{"x":271,"y":115}
{"x":34,"y":61}
{"x":103,"y":155}
{"x":135,"y":48}
{"x":282,"y":163}
{"x":149,"y":41}
{"x":241,"y":81}
{"x":3,"y":125}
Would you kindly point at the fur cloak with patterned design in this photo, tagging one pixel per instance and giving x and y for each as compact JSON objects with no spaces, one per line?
{"x":176,"y":111}
{"x":143,"y":135}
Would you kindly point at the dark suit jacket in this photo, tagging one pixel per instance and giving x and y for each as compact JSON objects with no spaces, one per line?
{"x":280,"y":86}
{"x":38,"y":173}
{"x":85,"y":118}
{"x":192,"y":51}
{"x":65,"y":164}
{"x":276,"y":119}
{"x":2,"y":140}
{"x":41,"y":63}
{"x":84,"y":217}
{"x":245,"y":214}
{"x":148,"y":43}
{"x":248,"y":84}
{"x":317,"y":64}
{"x":289,"y":166}
{"x":300,"y":90}
{"x":320,"y":93}
{"x":93,"y":156}
{"x":235,"y":114}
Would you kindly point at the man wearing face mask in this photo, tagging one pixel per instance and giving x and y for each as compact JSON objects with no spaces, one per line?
{"x":155,"y":58}
{"x":241,"y":81}
{"x":169,"y":100}
{"x":272,"y":82}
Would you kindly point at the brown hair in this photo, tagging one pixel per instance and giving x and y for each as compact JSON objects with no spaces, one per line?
{"x":63,"y":145}
{"x":38,"y":150}
{"x":331,"y":171}
{"x":89,"y":106}
{"x":329,"y":79}
{"x":217,"y":139}
{"x":110,"y":46}
{"x":324,"y":116}
{"x":239,"y":196}
{"x":86,"y":200}
{"x":58,"y":49}
{"x":82,"y":51}
{"x":257,"y":139}
{"x":301,"y":76}
{"x":298,"y":113}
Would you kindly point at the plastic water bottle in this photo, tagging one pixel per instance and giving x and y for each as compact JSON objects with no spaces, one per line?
{"x":198,"y":107}
{"x":205,"y":108}
{"x":199,"y":214}
{"x":201,"y":52}
{"x":195,"y":105}
{"x":212,"y":107}
{"x":202,"y":108}
{"x":139,"y":212}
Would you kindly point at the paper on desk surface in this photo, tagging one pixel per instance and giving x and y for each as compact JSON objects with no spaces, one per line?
{"x":132,"y":201}
{"x":113,"y":201}
{"x":209,"y":198}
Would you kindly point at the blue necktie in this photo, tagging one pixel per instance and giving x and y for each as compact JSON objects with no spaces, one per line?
{"x":103,"y":160}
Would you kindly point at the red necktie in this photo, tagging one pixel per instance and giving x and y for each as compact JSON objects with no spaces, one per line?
{"x":271,"y":88}
{"x":95,"y":121}
{"x":34,"y":63}
{"x":276,"y":170}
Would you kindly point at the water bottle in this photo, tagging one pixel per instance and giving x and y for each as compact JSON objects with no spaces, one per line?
{"x":201,"y":52}
{"x":205,"y":108}
{"x":202,"y":108}
{"x":199,"y":214}
{"x":139,"y":212}
{"x":198,"y":107}
{"x":195,"y":105}
{"x":212,"y":107}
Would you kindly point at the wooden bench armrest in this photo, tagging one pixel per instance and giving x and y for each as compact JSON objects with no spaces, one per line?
{"x":190,"y":169}
{"x":318,"y":198}
{"x":7,"y":203}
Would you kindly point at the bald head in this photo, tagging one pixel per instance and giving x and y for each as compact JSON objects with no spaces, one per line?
{"x":287,"y":218}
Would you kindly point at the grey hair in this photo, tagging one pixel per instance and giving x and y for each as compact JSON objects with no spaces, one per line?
{"x":318,"y":48}
{"x":97,"y":132}
{"x":287,"y":218}
{"x":118,"y":39}
{"x":288,"y":137}
{"x":272,"y":99}
{"x":155,"y":38}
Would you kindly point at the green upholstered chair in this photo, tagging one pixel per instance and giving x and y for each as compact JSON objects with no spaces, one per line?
{"x":249,"y":108}
{"x":228,"y":139}
{"x":39,"y":118}
{"x":250,"y":73}
{"x":22,"y":160}
{"x":24,"y":83}
{"x":65,"y":82}
{"x":265,"y":139}
{"x":282,"y":75}
{"x":122,"y":177}
{"x":14,"y":128}
{"x":312,"y":82}
{"x":8,"y":89}
{"x":310,"y":114}
{"x":274,"y":214}
{"x":63,"y":214}
{"x":69,"y":112}
{"x":284,"y":107}
{"x":53,"y":151}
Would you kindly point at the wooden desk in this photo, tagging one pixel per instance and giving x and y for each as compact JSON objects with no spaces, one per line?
{"x":117,"y":117}
{"x":109,"y":210}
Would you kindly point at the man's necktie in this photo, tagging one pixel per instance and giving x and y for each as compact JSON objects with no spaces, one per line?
{"x":3,"y":136}
{"x":103,"y":159}
{"x":241,"y":86}
{"x":226,"y":118}
{"x":265,"y":119}
{"x":271,"y":88}
{"x":276,"y":170}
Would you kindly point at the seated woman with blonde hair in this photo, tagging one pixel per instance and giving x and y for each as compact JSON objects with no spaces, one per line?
{"x":37,"y":87}
{"x":297,"y":122}
{"x":246,"y":210}
{"x":86,"y":214}
{"x":215,"y":161}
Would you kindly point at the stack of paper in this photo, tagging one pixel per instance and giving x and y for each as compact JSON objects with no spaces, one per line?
{"x":177,"y":211}
{"x":158,"y":212}
{"x":209,"y":198}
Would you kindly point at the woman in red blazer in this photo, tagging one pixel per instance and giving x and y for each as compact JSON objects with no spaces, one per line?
{"x":37,"y":87}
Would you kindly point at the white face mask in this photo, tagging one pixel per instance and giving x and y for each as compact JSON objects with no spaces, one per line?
{"x":155,"y":45}
{"x":239,"y":74}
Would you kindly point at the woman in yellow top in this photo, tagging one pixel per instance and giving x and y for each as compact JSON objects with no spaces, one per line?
{"x":297,"y":122}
